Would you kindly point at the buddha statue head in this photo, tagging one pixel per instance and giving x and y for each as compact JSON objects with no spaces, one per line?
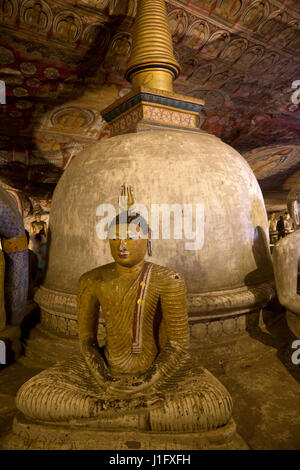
{"x":128,"y":237}
{"x":129,"y":232}
{"x":293,"y":201}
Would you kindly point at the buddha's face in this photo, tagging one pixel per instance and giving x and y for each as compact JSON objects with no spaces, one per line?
{"x":129,"y":245}
{"x":37,"y":218}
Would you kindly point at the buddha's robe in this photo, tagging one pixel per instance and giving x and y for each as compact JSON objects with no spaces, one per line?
{"x":181,"y":401}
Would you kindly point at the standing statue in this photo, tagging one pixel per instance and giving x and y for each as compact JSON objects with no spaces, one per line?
{"x":13,"y":275}
{"x":14,"y":246}
{"x":38,"y":225}
{"x":142,"y":378}
{"x":272,"y":222}
{"x":286,"y":258}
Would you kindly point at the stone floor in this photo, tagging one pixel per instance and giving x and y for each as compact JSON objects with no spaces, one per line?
{"x":265,"y":387}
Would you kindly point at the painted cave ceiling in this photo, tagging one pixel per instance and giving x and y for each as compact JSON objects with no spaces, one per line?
{"x":63,"y":61}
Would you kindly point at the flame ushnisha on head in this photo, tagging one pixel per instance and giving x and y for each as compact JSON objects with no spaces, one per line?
{"x":126,"y":199}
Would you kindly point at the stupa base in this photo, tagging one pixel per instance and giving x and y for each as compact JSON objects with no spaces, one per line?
{"x":214,"y":342}
{"x":44,"y":347}
{"x":29,"y":435}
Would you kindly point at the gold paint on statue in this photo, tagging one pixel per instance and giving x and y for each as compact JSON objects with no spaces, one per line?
{"x":143,"y":372}
{"x":38,"y":225}
{"x":152,"y":62}
{"x":13,"y":245}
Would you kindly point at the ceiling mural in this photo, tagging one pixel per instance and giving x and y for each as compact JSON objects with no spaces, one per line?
{"x":274,"y":163}
{"x":64,"y":61}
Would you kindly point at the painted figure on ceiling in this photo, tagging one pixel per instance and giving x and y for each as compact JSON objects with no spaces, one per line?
{"x":67,"y":29}
{"x":195,"y":36}
{"x":254,"y":15}
{"x":266,"y":62}
{"x":101,"y":4}
{"x":250,"y":56}
{"x":234,"y":51}
{"x":207,"y":4}
{"x":122,"y":7}
{"x":177,"y":25}
{"x":187,"y":67}
{"x":73,"y":120}
{"x":35,"y":17}
{"x":118,"y":54}
{"x":202,"y":73}
{"x":6,"y":10}
{"x":272,"y":26}
{"x":233,"y":85}
{"x":121,"y":45}
{"x":215,"y":44}
{"x":219,"y":78}
{"x":267,"y":165}
{"x":229,"y":8}
{"x":288,"y":33}
{"x":283,"y":66}
{"x":92,"y":34}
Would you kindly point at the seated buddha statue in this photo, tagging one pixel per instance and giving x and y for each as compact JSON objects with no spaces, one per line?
{"x":286,"y":261}
{"x":141,"y":378}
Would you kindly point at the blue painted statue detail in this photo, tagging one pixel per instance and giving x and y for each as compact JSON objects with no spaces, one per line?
{"x":14,"y":245}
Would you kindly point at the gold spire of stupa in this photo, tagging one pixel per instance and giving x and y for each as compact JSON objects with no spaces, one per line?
{"x":152,"y":63}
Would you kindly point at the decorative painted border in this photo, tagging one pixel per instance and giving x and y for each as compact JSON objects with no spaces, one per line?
{"x":143,"y":97}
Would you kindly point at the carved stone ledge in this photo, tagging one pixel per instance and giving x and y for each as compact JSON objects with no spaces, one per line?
{"x":37,"y":436}
{"x":210,"y":315}
{"x":238,"y":300}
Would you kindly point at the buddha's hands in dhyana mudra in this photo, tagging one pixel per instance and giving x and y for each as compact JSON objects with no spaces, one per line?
{"x":171,"y":361}
{"x":123,"y":386}
{"x":136,"y":385}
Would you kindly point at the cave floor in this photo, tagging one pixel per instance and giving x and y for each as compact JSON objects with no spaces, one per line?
{"x":265,"y":388}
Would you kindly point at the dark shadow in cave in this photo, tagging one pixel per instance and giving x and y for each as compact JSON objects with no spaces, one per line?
{"x":274,"y":331}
